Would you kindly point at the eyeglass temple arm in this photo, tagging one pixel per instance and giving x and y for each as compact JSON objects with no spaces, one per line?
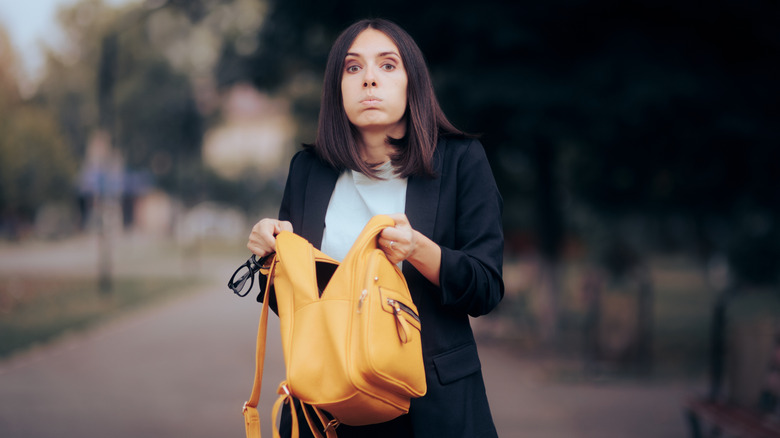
{"x":262,"y":264}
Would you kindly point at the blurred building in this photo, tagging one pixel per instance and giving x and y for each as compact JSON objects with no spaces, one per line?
{"x":254,"y":135}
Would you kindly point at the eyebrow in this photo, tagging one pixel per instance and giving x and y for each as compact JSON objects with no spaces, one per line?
{"x":382,"y":54}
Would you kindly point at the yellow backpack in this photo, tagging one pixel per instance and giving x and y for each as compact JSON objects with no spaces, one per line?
{"x":350,"y":334}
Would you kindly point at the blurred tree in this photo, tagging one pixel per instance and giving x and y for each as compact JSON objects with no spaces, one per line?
{"x":111,"y":74}
{"x":9,"y":90}
{"x":155,"y":120}
{"x":35,"y":164}
{"x":593,"y":113}
{"x":68,"y":86}
{"x":144,"y":73}
{"x":653,"y":102}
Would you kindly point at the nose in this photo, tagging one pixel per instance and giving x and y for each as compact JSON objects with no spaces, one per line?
{"x":368,"y":79}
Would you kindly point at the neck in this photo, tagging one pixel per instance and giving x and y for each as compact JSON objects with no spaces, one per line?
{"x":375,"y":149}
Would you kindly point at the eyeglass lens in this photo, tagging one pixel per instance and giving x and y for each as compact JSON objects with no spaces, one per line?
{"x":241,"y":279}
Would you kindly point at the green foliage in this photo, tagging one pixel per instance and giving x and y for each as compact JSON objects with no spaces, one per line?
{"x":156,"y":117}
{"x":112,"y":76}
{"x":755,"y":256}
{"x":69,"y":85}
{"x":131,"y":72}
{"x":661,"y":110}
{"x":35,"y":163}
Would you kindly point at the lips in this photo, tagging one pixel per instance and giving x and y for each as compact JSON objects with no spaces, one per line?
{"x":371,"y":101}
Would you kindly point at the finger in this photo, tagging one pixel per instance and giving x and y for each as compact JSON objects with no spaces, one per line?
{"x":279,"y":226}
{"x":261,"y":239}
{"x":392,"y":247}
{"x":400,"y":219}
{"x":391,"y":252}
{"x":391,"y":233}
{"x":261,"y":243}
{"x":259,"y":249}
{"x":383,"y":242}
{"x":394,"y":260}
{"x":285,"y":226}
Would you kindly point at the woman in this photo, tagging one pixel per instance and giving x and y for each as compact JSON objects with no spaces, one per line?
{"x":385,"y":147}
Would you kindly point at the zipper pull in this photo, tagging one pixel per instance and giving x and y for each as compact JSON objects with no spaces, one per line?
{"x":363,"y":296}
{"x":400,"y":323}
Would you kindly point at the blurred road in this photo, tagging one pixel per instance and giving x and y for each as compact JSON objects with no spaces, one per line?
{"x":184,"y":368}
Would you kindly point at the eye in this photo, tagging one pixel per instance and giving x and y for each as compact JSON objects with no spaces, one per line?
{"x":388,"y":67}
{"x":353,"y":68}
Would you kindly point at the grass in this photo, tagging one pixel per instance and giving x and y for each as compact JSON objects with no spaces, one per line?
{"x":682,"y":305}
{"x":38,"y":310}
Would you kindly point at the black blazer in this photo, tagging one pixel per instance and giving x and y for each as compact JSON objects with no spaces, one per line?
{"x":460,"y":210}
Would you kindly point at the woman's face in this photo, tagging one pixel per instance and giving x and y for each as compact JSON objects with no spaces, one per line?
{"x":373,"y":85}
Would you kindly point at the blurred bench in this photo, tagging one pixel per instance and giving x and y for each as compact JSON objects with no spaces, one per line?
{"x":729,"y":420}
{"x":718,"y":416}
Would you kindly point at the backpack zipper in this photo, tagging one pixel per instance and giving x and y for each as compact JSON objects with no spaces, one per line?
{"x":401,"y":306}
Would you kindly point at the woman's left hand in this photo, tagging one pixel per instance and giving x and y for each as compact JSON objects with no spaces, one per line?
{"x":402,"y":242}
{"x":398,"y":242}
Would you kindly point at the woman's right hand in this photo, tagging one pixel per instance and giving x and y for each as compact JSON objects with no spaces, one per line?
{"x":262,"y":239}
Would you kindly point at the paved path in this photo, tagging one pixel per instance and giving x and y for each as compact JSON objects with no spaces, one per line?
{"x":183,"y":369}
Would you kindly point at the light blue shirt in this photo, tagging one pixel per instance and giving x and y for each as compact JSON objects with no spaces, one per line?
{"x":355,"y":200}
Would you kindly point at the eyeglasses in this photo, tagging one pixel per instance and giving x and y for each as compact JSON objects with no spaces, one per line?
{"x":244,"y":278}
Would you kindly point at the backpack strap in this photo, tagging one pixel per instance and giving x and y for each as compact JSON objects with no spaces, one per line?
{"x":329,"y":425}
{"x":251,"y":416}
{"x":284,"y":397}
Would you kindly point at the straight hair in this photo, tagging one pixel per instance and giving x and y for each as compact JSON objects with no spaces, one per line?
{"x":337,"y":138}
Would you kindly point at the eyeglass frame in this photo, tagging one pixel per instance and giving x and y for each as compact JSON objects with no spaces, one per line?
{"x":253,"y":264}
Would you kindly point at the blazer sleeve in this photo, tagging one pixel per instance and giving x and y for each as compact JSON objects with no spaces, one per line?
{"x":291,"y":187}
{"x":286,"y":210}
{"x":471,"y":269}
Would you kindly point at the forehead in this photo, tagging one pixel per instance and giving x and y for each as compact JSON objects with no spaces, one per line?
{"x":372,"y":41}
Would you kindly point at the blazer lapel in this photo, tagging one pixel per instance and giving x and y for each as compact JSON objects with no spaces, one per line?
{"x":422,"y":196}
{"x":319,"y":188}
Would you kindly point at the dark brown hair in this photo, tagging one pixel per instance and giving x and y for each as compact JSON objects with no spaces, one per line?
{"x":336,"y":141}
